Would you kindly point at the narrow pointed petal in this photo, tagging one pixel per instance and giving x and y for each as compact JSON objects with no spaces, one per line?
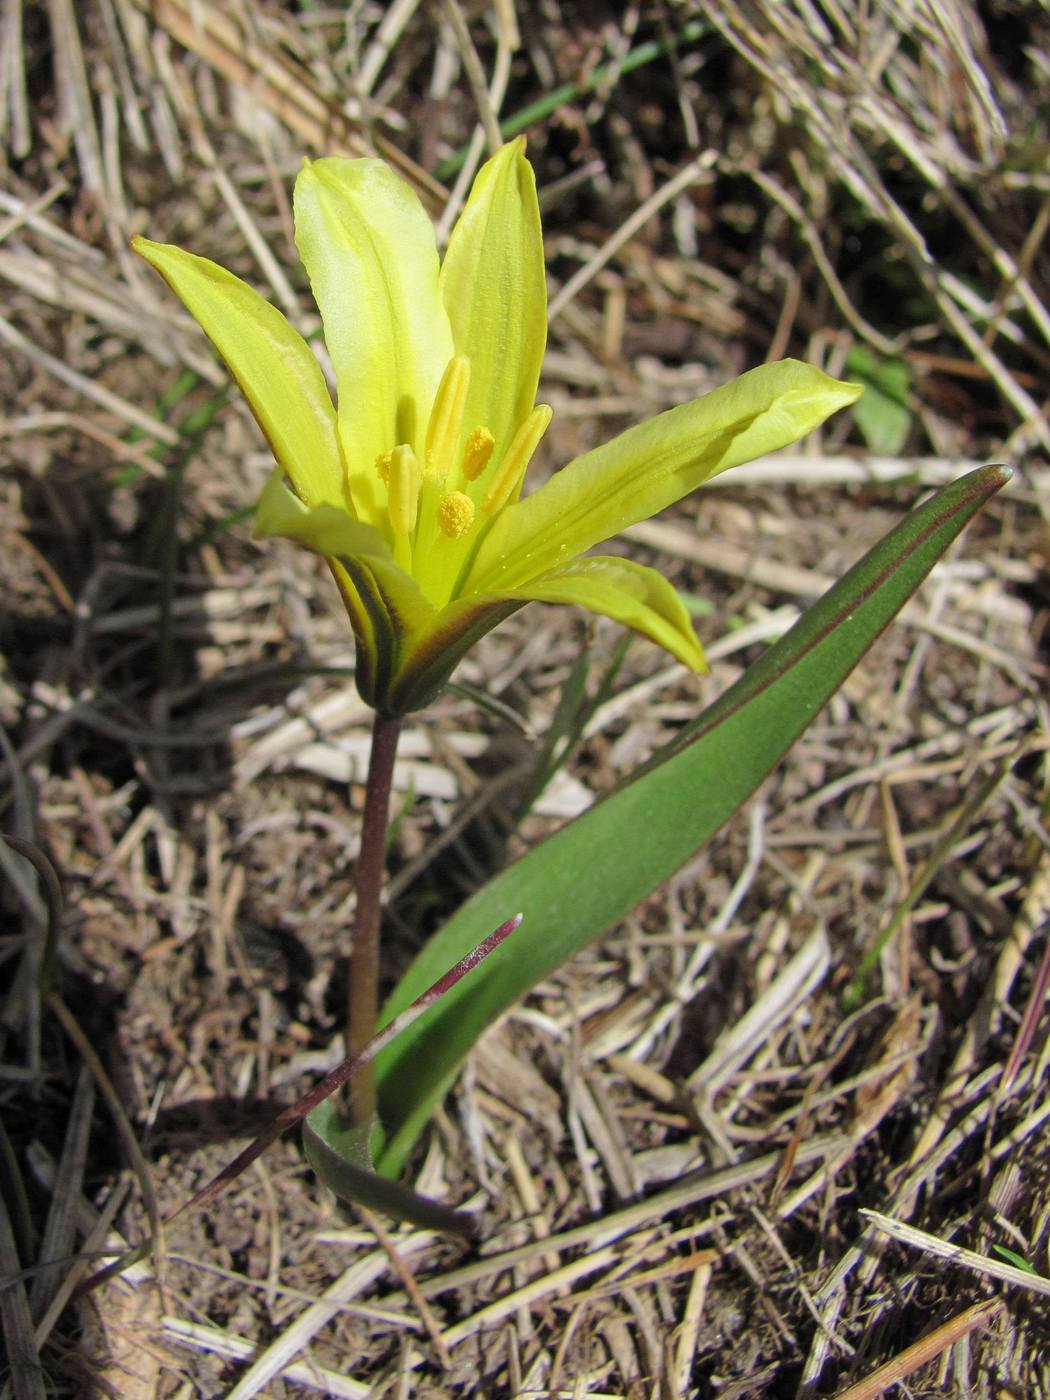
{"x":651,"y":466}
{"x":369,"y":249}
{"x":495,"y":291}
{"x":272,"y":363}
{"x":630,"y":593}
{"x":324,"y":528}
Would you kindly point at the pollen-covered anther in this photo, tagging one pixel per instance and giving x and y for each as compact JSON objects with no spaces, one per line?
{"x":519,"y":454}
{"x":403,"y":489}
{"x":476,"y":453}
{"x":383,"y":462}
{"x":455,"y":514}
{"x":446,"y":417}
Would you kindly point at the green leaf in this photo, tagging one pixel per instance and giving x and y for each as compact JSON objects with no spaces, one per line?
{"x":591,"y":873}
{"x":339,"y":1155}
{"x":573,"y":713}
{"x":1018,"y":1261}
{"x":882,"y":412}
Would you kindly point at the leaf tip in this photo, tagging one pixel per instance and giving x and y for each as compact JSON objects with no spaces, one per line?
{"x":987,"y":480}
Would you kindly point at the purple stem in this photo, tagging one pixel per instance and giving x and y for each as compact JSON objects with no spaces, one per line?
{"x":363,"y":992}
{"x":350,"y":1067}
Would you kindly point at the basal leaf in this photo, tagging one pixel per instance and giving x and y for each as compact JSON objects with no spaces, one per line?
{"x":339,"y":1155}
{"x":591,"y":873}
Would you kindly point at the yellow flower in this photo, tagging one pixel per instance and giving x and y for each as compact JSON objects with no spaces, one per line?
{"x":411,"y":487}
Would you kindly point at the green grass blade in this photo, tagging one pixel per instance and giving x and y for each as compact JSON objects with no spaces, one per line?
{"x":598,"y":867}
{"x":549,"y":102}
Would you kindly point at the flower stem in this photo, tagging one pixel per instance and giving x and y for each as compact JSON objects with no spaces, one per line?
{"x":363,"y":999}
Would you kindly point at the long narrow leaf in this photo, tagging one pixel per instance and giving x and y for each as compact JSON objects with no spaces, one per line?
{"x":591,"y":873}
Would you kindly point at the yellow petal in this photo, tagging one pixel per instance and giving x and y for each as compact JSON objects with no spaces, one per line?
{"x":333,"y":534}
{"x":368,"y":246}
{"x":271,"y":362}
{"x":495,"y":292}
{"x":630,"y":593}
{"x":650,"y":466}
{"x":325,"y":529}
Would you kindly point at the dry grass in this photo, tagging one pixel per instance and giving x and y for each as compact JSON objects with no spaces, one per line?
{"x":671,"y":1142}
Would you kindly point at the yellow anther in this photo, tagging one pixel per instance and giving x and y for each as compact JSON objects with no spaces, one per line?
{"x":402,"y":489}
{"x":476,"y":453}
{"x":455,"y":514}
{"x":446,"y":417}
{"x":519,"y":455}
{"x":383,"y":462}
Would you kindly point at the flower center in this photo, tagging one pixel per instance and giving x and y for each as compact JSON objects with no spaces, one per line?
{"x":446,"y":498}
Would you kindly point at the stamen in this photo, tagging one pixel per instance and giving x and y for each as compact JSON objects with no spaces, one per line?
{"x":446,"y":417}
{"x":519,"y":455}
{"x":383,"y":462}
{"x":402,"y":489}
{"x":476,"y":453}
{"x":455,"y":514}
